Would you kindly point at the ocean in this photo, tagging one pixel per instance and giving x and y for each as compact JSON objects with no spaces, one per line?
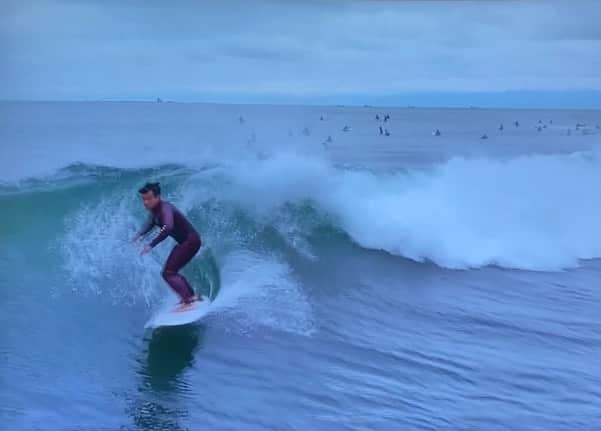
{"x":359,"y":281}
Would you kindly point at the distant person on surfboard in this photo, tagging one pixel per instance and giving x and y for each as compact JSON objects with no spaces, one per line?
{"x":172,"y":223}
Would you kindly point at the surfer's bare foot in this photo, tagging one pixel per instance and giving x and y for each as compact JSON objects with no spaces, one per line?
{"x":192,"y":299}
{"x":184,"y":307}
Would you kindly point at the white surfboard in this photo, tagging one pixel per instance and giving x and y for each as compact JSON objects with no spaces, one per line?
{"x":171,"y":314}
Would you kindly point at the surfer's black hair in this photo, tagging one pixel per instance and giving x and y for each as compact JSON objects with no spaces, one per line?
{"x":155,"y":188}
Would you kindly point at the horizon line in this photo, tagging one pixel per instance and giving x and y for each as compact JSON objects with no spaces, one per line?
{"x":309,"y":104}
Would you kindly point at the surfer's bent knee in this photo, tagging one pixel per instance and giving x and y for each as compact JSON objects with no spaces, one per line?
{"x":168,"y":273}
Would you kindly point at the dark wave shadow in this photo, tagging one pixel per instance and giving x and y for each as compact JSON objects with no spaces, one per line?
{"x":169,"y":353}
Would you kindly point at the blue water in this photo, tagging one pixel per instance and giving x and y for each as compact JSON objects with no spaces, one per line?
{"x":372,"y":283}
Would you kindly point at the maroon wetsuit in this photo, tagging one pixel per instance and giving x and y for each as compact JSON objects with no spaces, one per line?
{"x":174,"y":224}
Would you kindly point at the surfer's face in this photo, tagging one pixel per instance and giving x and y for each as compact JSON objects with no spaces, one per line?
{"x":150,"y":200}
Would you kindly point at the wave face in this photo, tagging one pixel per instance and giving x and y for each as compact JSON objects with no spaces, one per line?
{"x":464,"y":213}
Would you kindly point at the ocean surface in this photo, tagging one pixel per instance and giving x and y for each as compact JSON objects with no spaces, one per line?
{"x":372,"y":282}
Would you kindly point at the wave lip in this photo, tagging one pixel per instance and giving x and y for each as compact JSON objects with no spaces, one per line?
{"x":533,"y":212}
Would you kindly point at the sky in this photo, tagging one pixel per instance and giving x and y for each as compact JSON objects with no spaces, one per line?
{"x":485,"y":53}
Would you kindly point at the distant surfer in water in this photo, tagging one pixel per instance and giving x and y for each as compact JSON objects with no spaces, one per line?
{"x":172,"y":223}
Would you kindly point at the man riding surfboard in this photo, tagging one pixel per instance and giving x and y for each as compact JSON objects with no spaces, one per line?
{"x":172,"y":223}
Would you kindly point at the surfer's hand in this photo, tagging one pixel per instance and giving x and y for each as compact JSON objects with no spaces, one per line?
{"x":136,"y":239}
{"x":146,"y":249}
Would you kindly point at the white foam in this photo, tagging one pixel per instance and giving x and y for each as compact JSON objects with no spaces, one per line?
{"x":100,"y":259}
{"x":260,"y":290}
{"x":532,"y":212}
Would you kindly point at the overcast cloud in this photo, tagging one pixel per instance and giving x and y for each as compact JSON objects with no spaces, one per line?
{"x":267,"y":50}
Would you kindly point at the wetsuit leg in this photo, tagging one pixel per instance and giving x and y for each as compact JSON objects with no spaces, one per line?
{"x":178,"y":258}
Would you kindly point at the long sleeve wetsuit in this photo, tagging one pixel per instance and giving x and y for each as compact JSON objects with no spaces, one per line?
{"x":173,"y":223}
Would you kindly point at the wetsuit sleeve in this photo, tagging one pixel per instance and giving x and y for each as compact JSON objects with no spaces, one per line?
{"x":167,"y":217}
{"x":146,"y":227}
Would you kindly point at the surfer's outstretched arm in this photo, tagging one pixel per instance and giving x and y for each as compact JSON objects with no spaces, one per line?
{"x":146,"y":227}
{"x":167,"y":218}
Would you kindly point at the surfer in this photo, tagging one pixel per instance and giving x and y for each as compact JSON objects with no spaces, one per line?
{"x":172,"y":223}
